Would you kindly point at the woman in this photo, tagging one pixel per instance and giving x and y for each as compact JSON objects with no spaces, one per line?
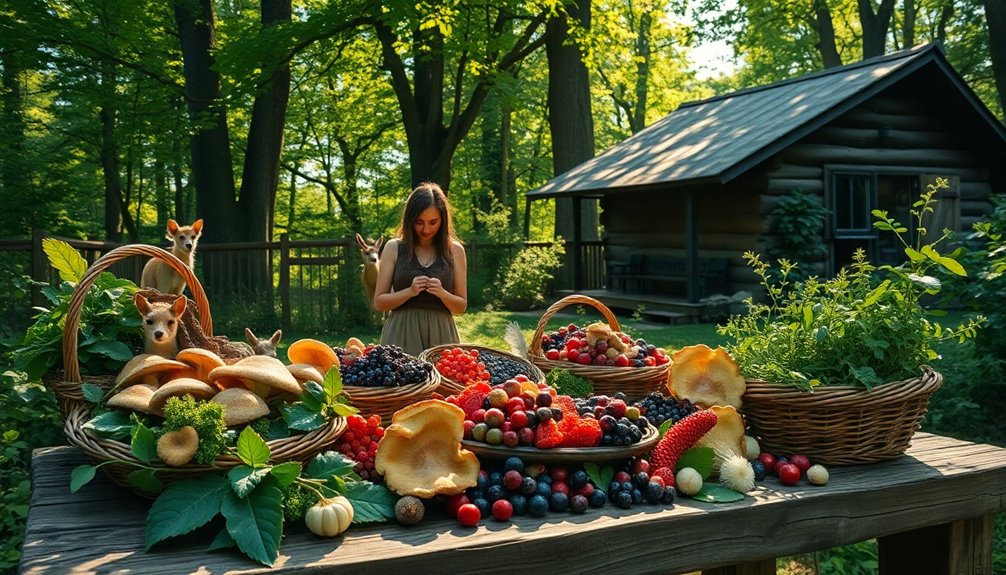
{"x":422,"y":279}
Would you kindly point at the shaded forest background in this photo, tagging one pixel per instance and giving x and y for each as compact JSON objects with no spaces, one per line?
{"x":316,"y":117}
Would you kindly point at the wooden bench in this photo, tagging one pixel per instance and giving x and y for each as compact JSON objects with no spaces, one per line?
{"x":932,"y":510}
{"x":644,"y":270}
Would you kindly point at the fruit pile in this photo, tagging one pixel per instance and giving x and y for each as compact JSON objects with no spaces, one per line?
{"x":658,"y":408}
{"x":462,"y":366}
{"x":382,"y":366}
{"x":597,"y":344}
{"x":789,"y":470}
{"x":620,"y":423}
{"x":502,"y":368}
{"x":359,"y":443}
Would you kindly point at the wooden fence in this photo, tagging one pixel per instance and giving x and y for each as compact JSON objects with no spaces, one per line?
{"x":313,"y":284}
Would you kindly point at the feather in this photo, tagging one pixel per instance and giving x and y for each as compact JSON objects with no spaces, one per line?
{"x":515,"y":339}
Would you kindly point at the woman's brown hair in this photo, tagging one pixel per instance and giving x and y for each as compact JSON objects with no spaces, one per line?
{"x":426,"y":195}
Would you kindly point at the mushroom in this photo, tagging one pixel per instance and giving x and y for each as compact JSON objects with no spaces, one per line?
{"x":176,"y":448}
{"x":317,"y":353}
{"x":305,"y":372}
{"x":706,"y":376}
{"x":203,"y":361}
{"x":241,"y":405}
{"x":259,"y":373}
{"x":135,"y":397}
{"x":146,"y":368}
{"x":177,"y":388}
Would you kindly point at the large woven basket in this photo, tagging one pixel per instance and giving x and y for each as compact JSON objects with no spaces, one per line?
{"x":839,"y":425}
{"x":634,"y":382}
{"x":385,"y":401}
{"x":449,"y":386}
{"x":77,"y":412}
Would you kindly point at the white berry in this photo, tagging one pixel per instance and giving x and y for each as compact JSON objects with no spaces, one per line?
{"x":751,"y":448}
{"x":688,"y":481}
{"x":817,"y":475}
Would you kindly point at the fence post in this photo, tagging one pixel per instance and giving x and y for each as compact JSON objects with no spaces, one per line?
{"x":284,"y":280}
{"x":39,"y":265}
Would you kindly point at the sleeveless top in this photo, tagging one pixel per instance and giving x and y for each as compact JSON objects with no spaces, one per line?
{"x":406,"y":269}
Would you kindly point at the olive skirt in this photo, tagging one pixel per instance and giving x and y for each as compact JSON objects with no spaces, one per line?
{"x":416,"y":330}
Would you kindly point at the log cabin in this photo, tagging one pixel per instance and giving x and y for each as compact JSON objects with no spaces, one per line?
{"x":695,"y":190}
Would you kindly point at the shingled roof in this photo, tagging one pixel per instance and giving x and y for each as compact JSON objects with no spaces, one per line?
{"x":718,"y":139}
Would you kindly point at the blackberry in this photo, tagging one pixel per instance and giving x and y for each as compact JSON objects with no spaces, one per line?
{"x":385,"y":366}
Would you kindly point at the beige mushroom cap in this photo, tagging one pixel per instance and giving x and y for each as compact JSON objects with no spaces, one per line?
{"x":261,"y":374}
{"x":202,"y":360}
{"x":135,"y":397}
{"x":317,"y":353}
{"x":177,"y":388}
{"x":240,"y":405}
{"x":146,"y":368}
{"x":176,"y":448}
{"x":305,"y":372}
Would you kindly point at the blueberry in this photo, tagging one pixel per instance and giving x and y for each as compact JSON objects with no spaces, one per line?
{"x":515,"y":463}
{"x":641,"y":479}
{"x":543,"y":488}
{"x":578,"y":479}
{"x":614,"y":488}
{"x":538,"y":506}
{"x":670,"y":494}
{"x":483,"y":481}
{"x":519,"y":503}
{"x":495,"y":478}
{"x":578,"y":504}
{"x":598,"y":498}
{"x":484,"y":508}
{"x":637,"y":496}
{"x":627,"y":486}
{"x":623,"y":499}
{"x":653,"y":492}
{"x":494,"y":493}
{"x":544,"y":478}
{"x":558,"y":502}
{"x":759,"y":470}
{"x":544,"y":414}
{"x":528,"y":486}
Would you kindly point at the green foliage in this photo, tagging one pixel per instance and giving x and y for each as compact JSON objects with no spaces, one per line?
{"x":714,"y":493}
{"x":986,"y":291}
{"x":525,"y":282}
{"x":865,"y":326}
{"x":797,"y":225}
{"x":296,"y":501}
{"x":567,"y":383}
{"x":206,"y":417}
{"x":318,"y":403}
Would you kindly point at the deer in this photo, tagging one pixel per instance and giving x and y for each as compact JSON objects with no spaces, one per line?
{"x":371,"y":254}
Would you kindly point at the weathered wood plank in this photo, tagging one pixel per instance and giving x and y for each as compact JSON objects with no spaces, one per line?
{"x":956,"y":548}
{"x":941,"y":480}
{"x":916,"y":157}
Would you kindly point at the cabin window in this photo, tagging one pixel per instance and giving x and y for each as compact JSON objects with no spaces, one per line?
{"x":853,"y":197}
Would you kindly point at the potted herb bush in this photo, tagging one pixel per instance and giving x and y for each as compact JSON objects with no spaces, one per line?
{"x":837,"y":367}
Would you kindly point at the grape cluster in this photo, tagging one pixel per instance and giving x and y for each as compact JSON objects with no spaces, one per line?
{"x":501,"y":367}
{"x":658,"y":408}
{"x":359,"y":443}
{"x":385,"y":366}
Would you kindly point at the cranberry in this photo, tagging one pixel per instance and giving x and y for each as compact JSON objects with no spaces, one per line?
{"x":502,"y":510}
{"x":789,"y":474}
{"x":768,"y":460}
{"x":800,"y":461}
{"x":469,"y":515}
{"x":455,"y":502}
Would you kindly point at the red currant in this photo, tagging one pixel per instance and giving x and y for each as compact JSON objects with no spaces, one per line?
{"x":469,"y":515}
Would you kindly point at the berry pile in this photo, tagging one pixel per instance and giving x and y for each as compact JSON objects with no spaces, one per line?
{"x":789,"y":470}
{"x":659,"y":408}
{"x":620,"y":423}
{"x":359,"y":443}
{"x":573,"y":344}
{"x":502,"y":368}
{"x":462,"y":366}
{"x":384,"y":366}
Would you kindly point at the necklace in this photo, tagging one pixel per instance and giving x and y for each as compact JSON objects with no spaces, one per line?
{"x":426,"y":261}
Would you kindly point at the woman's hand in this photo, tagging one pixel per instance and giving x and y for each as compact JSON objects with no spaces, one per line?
{"x":421,"y":283}
{"x":435,"y":287}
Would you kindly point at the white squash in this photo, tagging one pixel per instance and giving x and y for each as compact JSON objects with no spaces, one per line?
{"x":329,"y":517}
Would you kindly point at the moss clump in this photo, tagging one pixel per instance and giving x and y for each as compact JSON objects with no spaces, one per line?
{"x":206,"y":417}
{"x":566,"y":383}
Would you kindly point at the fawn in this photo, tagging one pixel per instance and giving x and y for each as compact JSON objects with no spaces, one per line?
{"x":158,"y":274}
{"x":371,"y":254}
{"x":160,"y":325}
{"x":263,"y":346}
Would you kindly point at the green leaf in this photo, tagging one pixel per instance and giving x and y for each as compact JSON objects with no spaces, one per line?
{"x":256,"y":522}
{"x":665,"y":426}
{"x":344,"y":409}
{"x":244,"y":479}
{"x":700,"y":459}
{"x":81,"y":476}
{"x":370,"y":502}
{"x":92,"y":392}
{"x":67,"y":261}
{"x":146,"y":480}
{"x":184,"y":506}
{"x":252,"y":449}
{"x":601,"y":476}
{"x":808,"y":316}
{"x":223,"y":540}
{"x":330,"y":464}
{"x":286,"y":473}
{"x":877,"y":292}
{"x":333,"y":385}
{"x":112,"y":349}
{"x":301,"y":417}
{"x":914,"y":255}
{"x":711,"y":493}
{"x":314,"y":396}
{"x":952,"y":266}
{"x":111,"y":424}
{"x":143,"y":445}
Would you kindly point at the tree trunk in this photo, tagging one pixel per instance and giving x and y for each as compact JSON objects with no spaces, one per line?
{"x":875,"y":26}
{"x":178,"y":162}
{"x":492,"y":161}
{"x":291,"y":211}
{"x":161,"y":193}
{"x":109,"y":157}
{"x":637,"y":121}
{"x":350,"y":201}
{"x":569,"y":116}
{"x":211,"y":169}
{"x":908,"y":34}
{"x":995,"y":19}
{"x":826,"y":35}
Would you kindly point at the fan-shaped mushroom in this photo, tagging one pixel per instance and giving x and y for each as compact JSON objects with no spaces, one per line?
{"x":421,"y":452}
{"x":135,"y":397}
{"x":177,"y":388}
{"x":146,"y":368}
{"x":259,"y":373}
{"x":317,"y":353}
{"x":240,"y":405}
{"x":305,"y":372}
{"x":176,"y":448}
{"x":706,"y":376}
{"x":203,"y":361}
{"x":727,"y":436}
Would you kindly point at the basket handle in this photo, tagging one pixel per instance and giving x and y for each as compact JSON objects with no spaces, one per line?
{"x":574,"y":299}
{"x":71,"y":369}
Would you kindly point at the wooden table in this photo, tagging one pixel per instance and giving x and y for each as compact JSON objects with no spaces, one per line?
{"x":931,"y":509}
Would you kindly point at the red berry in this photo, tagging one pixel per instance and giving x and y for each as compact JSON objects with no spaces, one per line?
{"x":560,"y":487}
{"x":559,"y":473}
{"x":552,"y":354}
{"x":469,"y":515}
{"x":800,"y":461}
{"x":640,"y":465}
{"x":623,"y":477}
{"x":456,"y":502}
{"x":502,"y":510}
{"x":621,"y":361}
{"x":768,"y":460}
{"x":789,"y":474}
{"x":512,"y":480}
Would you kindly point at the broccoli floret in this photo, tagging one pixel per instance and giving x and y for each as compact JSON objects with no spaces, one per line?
{"x":296,"y":502}
{"x":566,"y":383}
{"x":260,"y":426}
{"x":206,"y":417}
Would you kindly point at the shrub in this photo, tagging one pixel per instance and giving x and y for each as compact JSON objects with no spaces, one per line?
{"x":525,"y":281}
{"x":797,"y":224}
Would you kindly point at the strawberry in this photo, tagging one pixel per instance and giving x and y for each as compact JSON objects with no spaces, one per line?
{"x":680,"y":437}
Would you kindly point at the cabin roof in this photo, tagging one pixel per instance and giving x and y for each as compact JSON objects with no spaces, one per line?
{"x":718,"y":139}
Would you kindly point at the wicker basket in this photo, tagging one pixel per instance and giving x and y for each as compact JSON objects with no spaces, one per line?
{"x":450,"y":387}
{"x":634,"y":382}
{"x":76,"y":411}
{"x":839,"y":425}
{"x":385,"y":401}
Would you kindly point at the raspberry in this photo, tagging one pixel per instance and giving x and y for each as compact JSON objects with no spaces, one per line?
{"x":582,"y":433}
{"x":359,"y":443}
{"x":681,"y":436}
{"x":471,"y":398}
{"x":547,"y":435}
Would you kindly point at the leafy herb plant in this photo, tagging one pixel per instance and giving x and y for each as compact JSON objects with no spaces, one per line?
{"x":865,"y":326}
